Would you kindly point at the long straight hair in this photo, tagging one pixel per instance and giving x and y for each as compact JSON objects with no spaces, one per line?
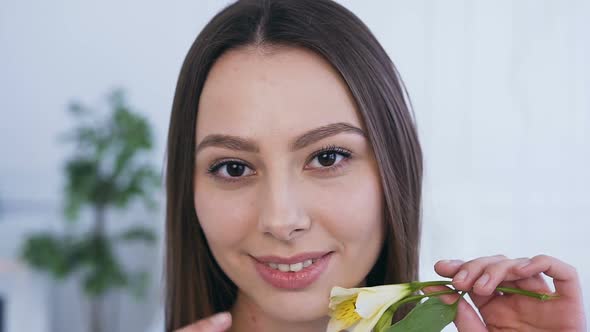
{"x":196,"y":286}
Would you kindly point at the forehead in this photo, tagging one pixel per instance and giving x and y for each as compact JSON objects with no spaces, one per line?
{"x":259,"y":94}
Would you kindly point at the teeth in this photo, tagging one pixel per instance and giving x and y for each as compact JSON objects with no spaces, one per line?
{"x":284,"y":267}
{"x":292,"y":267}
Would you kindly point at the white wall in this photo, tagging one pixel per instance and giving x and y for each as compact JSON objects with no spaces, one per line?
{"x":500,"y":89}
{"x":23,"y":293}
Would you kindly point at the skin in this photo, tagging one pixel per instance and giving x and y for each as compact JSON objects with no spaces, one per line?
{"x":286,"y":203}
{"x":515,"y":312}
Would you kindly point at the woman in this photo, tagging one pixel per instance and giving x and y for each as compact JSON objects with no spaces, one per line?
{"x":294,"y":166}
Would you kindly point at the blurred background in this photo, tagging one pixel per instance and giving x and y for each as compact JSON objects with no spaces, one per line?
{"x":501,"y":92}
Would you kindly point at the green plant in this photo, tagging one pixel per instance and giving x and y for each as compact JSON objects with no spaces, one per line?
{"x":107,"y":170}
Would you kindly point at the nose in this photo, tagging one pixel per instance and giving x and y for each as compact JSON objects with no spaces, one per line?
{"x":282,"y":215}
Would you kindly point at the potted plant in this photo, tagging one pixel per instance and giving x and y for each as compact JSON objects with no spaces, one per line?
{"x":108,"y":169}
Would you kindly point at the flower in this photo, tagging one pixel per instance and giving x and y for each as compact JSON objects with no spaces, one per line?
{"x":362,"y":306}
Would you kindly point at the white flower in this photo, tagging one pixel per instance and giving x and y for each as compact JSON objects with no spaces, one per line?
{"x":362,"y":306}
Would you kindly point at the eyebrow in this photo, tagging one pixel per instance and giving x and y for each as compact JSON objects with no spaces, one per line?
{"x":246,"y":145}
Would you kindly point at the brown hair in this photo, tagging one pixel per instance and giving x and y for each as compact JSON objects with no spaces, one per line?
{"x":196,"y":287}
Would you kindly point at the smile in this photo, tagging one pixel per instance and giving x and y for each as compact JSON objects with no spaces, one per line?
{"x":296,"y":272}
{"x":292,"y":267}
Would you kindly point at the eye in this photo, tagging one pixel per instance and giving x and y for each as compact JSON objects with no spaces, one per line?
{"x":326,"y":159}
{"x":230,"y":170}
{"x":329,"y":158}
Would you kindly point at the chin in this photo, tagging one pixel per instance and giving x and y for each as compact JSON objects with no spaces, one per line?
{"x":296,"y":306}
{"x":297,"y":313}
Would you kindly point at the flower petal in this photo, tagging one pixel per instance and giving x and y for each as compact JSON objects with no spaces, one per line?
{"x":366,"y":325}
{"x":343,"y":315}
{"x":339,"y":294}
{"x":340,"y":291}
{"x":372,"y":299}
{"x":335,"y":325}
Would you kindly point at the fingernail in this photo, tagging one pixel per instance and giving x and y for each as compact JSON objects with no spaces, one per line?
{"x":524,"y":264}
{"x":460,"y":276}
{"x":220,"y":319}
{"x":452,"y":262}
{"x":455,"y":262}
{"x":483,"y":280}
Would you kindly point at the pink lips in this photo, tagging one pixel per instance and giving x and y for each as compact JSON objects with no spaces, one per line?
{"x":292,"y":280}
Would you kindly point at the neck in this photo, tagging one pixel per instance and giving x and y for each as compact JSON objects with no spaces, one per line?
{"x":247,"y":316}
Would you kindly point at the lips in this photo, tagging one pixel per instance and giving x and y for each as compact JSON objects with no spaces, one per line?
{"x":293,"y":259}
{"x":295,"y":272}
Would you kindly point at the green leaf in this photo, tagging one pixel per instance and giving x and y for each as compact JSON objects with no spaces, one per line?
{"x":137,"y":233}
{"x":429,"y":316}
{"x":110,"y":166}
{"x":104,"y":270}
{"x":48,"y":253}
{"x":385,"y":320}
{"x":138,"y":284}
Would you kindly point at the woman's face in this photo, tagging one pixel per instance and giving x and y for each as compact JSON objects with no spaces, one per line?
{"x":269,"y":204}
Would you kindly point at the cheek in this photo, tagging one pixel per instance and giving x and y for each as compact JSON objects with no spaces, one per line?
{"x":224,"y":217}
{"x":352,"y":209}
{"x":352,"y":214}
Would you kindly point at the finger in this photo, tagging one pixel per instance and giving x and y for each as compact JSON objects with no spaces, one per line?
{"x":466,"y":318}
{"x":495,"y":273}
{"x":448,"y":268}
{"x":565,"y":276}
{"x":472,"y":271}
{"x":217,"y":323}
{"x":535,"y":283}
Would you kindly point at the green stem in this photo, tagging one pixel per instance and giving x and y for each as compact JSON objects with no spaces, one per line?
{"x":396,"y":305}
{"x":416,"y":285}
{"x":539,"y":296}
{"x":462,"y":295}
{"x":420,"y":297}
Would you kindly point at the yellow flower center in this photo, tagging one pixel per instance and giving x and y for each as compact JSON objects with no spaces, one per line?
{"x":345,"y":312}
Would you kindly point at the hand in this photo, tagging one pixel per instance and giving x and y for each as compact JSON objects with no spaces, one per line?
{"x":217,"y":323}
{"x":513,"y":312}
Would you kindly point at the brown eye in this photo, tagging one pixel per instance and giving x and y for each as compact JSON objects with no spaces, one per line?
{"x":230,"y":169}
{"x":327,"y":159}
{"x":235,"y":169}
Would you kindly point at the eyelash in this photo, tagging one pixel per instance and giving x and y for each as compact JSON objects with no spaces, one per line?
{"x":345,"y":153}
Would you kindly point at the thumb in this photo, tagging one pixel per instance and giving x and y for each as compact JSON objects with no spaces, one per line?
{"x":217,"y":323}
{"x":467,"y":319}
